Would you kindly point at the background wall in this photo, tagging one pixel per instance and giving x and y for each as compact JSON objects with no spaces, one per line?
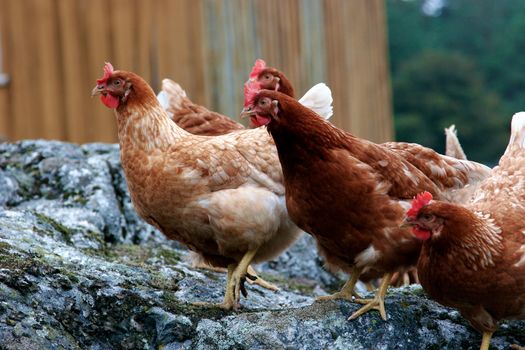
{"x":54,"y":50}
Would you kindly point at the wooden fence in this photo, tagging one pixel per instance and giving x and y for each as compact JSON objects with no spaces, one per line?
{"x":54,"y":50}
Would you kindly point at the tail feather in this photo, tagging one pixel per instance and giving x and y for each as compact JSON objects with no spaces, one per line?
{"x":517,"y":133}
{"x":172,"y":95}
{"x":319,"y":99}
{"x":163,"y":99}
{"x":453,"y":148}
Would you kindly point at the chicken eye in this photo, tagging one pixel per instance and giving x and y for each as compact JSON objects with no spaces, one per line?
{"x":116,"y":82}
{"x":427,"y":217}
{"x":262,"y":102}
{"x":267,"y":76}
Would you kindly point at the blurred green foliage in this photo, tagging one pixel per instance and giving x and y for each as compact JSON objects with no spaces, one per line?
{"x":462,"y":64}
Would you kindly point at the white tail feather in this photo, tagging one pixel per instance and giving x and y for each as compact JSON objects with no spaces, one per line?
{"x":319,"y":99}
{"x":163,"y":99}
{"x":517,"y":133}
{"x":171,"y":95}
{"x":453,"y":147}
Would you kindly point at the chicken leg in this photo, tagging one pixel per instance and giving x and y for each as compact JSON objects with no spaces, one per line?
{"x":485,"y":342}
{"x":235,"y":284}
{"x":348,"y":289}
{"x":377,"y":303}
{"x":228,"y":302}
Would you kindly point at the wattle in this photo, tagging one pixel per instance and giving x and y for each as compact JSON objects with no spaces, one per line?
{"x":421,"y":234}
{"x":259,"y":120}
{"x":109,"y":100}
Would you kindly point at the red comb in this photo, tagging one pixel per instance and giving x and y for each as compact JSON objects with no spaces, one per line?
{"x":251,"y":88}
{"x":419,"y":202}
{"x":258,"y":67}
{"x":108,"y":70}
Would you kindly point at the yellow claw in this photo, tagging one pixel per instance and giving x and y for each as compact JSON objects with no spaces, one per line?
{"x":347,"y":291}
{"x":377,"y":303}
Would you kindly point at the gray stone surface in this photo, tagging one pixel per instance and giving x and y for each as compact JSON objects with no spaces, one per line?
{"x":80,"y":270}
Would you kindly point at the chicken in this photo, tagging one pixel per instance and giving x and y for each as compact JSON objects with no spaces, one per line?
{"x":270,"y":78}
{"x":198,"y":120}
{"x":427,"y":161}
{"x":349,"y":193}
{"x":473,"y":256}
{"x":222,"y":196}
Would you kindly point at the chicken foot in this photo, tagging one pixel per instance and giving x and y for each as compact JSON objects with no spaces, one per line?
{"x":259,"y":281}
{"x":348,"y":289}
{"x":485,"y":342}
{"x":377,"y":303}
{"x":251,"y":271}
{"x":404,"y":279}
{"x":238,"y":276}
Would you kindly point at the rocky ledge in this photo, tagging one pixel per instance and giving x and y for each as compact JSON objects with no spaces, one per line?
{"x":80,"y":270}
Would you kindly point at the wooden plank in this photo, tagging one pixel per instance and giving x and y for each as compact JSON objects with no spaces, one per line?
{"x":4,"y":68}
{"x":313,"y":48}
{"x":144,"y":32}
{"x":357,"y":67}
{"x":167,"y":37}
{"x":215,"y":40}
{"x":182,"y":63}
{"x":195,"y":48}
{"x":121,"y":19}
{"x":96,"y":28}
{"x":48,"y":79}
{"x":25,"y":121}
{"x":74,"y":73}
{"x":383,"y":72}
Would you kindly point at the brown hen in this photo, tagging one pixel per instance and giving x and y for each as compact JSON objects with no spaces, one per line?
{"x":222,"y":196}
{"x":473,"y":256}
{"x":351,"y":194}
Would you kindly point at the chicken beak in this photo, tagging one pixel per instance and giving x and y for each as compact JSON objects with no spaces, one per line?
{"x":246,"y":112}
{"x":277,"y":80}
{"x":407,"y":222}
{"x":97,"y":90}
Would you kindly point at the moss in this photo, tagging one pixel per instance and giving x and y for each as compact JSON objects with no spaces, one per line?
{"x":158,"y":280}
{"x":404,"y":304}
{"x":170,"y":256}
{"x":63,"y":230}
{"x":12,"y":261}
{"x":76,"y":197}
{"x":136,"y":255}
{"x":194,"y":312}
{"x":71,"y":276}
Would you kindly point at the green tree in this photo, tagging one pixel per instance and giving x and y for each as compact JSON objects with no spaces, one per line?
{"x":435,"y":89}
